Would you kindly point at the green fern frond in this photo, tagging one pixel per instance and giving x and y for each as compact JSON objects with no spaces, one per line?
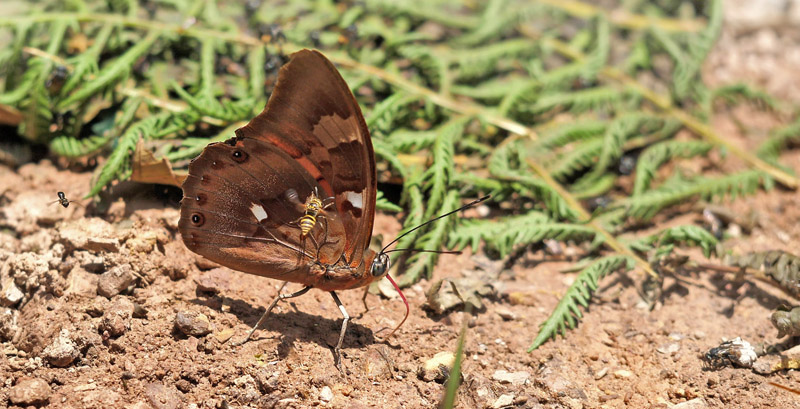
{"x":229,"y":111}
{"x":567,"y":312}
{"x":470,"y":233}
{"x":597,"y":98}
{"x":508,"y":233}
{"x":646,"y":205}
{"x":440,"y":173}
{"x":568,"y":132}
{"x":779,"y":139}
{"x":192,"y":146}
{"x":422,"y":263}
{"x":698,"y":48}
{"x":654,"y":156}
{"x":432,"y":67}
{"x":114,"y":72}
{"x":474,"y":63}
{"x":691,"y":235}
{"x":407,"y":140}
{"x":424,"y":10}
{"x":590,"y":186}
{"x":525,"y":93}
{"x":85,"y":64}
{"x":382,"y":204}
{"x":152,"y":127}
{"x":72,"y":147}
{"x":618,"y":132}
{"x":597,"y":59}
{"x":498,"y":17}
{"x":492,"y":90}
{"x":734,"y":93}
{"x":390,"y":111}
{"x":581,"y":157}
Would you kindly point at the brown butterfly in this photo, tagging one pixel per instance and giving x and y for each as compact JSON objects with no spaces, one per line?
{"x":245,"y":199}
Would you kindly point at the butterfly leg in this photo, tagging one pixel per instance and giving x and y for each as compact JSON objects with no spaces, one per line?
{"x":364,"y":301}
{"x":338,"y":350}
{"x":271,"y":306}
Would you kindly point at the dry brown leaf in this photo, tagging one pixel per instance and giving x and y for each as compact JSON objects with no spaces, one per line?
{"x":148,"y":169}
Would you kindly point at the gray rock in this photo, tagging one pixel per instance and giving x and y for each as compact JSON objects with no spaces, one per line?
{"x":62,"y":351}
{"x":192,"y":323}
{"x":30,"y":391}
{"x":115,"y":281}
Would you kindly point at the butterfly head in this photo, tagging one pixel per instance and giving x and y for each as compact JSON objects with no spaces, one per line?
{"x":380,"y":266}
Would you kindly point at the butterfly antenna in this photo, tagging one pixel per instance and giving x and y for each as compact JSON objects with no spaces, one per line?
{"x":405,"y":301}
{"x":424,"y":251}
{"x":466,"y":206}
{"x":383,"y":251}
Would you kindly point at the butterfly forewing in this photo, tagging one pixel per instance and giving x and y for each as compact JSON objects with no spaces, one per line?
{"x":313,"y":116}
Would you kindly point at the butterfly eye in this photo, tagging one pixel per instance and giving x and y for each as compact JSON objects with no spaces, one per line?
{"x":239,"y":156}
{"x":200,"y":199}
{"x":198,"y":219}
{"x":380,"y":265}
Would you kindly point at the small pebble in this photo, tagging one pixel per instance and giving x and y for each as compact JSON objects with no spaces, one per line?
{"x":697,"y":403}
{"x":115,"y":281}
{"x":506,"y":314}
{"x":163,"y":397}
{"x":623,"y":373}
{"x":117,"y":317}
{"x":503,"y":401}
{"x":102,"y":244}
{"x":669,"y":348}
{"x":192,"y":323}
{"x":514,"y":378}
{"x":63,"y":351}
{"x":30,"y":391}
{"x":438,"y":367}
{"x":326,"y":394}
{"x":600,"y":374}
{"x":10,"y":294}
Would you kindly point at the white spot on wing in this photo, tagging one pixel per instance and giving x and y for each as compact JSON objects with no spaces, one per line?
{"x":258,"y":212}
{"x":355,"y":199}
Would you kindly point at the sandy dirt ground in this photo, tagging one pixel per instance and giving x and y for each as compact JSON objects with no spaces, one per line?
{"x":106,"y":308}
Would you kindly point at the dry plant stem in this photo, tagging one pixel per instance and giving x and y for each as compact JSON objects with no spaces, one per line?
{"x":573,"y":203}
{"x":671,"y":111}
{"x":442,"y":100}
{"x":622,"y":18}
{"x":44,"y":54}
{"x":758,"y":274}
